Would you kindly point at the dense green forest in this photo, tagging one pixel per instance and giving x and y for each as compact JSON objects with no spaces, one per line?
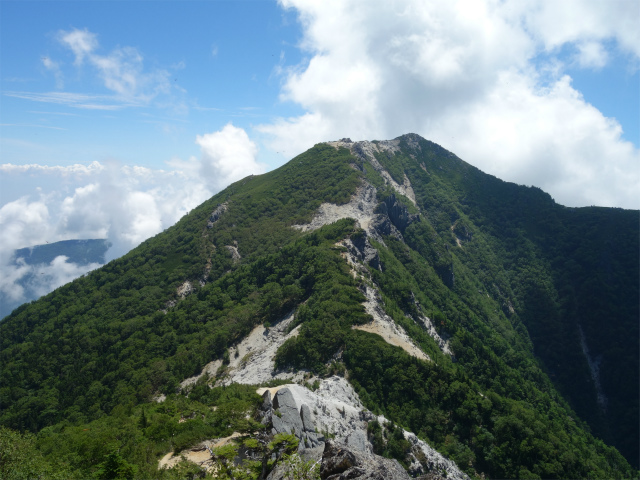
{"x":520,"y":284}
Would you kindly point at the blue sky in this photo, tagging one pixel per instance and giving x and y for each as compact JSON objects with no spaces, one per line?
{"x":222,"y":61}
{"x":117,"y":118}
{"x":219,"y":59}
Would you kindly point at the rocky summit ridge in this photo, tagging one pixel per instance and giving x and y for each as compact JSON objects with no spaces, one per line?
{"x":349,"y":453}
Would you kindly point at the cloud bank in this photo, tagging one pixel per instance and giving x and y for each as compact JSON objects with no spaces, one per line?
{"x":124,"y":204}
{"x":484,"y":78}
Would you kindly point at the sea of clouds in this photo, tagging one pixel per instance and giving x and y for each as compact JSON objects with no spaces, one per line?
{"x":121,"y":203}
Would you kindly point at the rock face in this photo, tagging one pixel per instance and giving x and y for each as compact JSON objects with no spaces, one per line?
{"x":398,"y":213}
{"x":335,"y":409}
{"x":286,"y":418}
{"x":216,"y":214}
{"x":364,"y":251}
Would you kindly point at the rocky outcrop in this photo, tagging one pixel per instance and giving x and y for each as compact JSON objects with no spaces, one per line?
{"x":382,"y":225}
{"x":286,"y":418}
{"x":360,"y":247}
{"x":350,"y":459}
{"x":366,"y":152}
{"x":339,"y":462}
{"x":335,"y":409}
{"x":216,"y":214}
{"x":185,"y":289}
{"x":397,"y":213}
{"x":233,"y":250}
{"x":413,"y":141}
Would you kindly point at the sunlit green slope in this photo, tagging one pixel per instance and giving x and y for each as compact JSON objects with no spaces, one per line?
{"x":528,"y":293}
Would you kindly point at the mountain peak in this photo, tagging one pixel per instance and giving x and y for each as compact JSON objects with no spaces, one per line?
{"x":454,"y":307}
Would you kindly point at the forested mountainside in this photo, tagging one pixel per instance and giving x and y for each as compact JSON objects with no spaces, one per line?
{"x":498,"y":326}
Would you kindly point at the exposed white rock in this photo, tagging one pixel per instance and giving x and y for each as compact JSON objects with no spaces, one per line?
{"x":361,"y":208}
{"x":433,"y":333}
{"x":366,"y":151}
{"x":363,"y":203}
{"x":209,"y":370}
{"x":407,"y":190}
{"x":185,"y":289}
{"x":233,"y":250}
{"x":384,"y":326}
{"x":336,"y":409}
{"x":252,"y":360}
{"x":434,"y":460}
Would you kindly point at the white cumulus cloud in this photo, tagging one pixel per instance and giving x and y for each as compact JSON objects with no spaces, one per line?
{"x":124,"y":204}
{"x":227,"y":155}
{"x":81,"y":42}
{"x":468,"y":74}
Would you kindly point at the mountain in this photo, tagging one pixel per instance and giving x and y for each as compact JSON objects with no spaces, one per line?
{"x":82,"y":252}
{"x":413,"y":305}
{"x":40,"y":257}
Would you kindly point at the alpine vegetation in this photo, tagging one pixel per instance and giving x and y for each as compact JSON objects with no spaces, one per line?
{"x":372,"y":309}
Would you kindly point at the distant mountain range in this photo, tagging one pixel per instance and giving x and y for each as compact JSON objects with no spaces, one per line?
{"x":384,"y":298}
{"x":79,"y":252}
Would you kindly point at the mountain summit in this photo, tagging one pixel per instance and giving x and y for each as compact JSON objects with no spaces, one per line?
{"x":367,"y":301}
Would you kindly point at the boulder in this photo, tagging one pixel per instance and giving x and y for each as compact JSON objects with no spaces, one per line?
{"x":288,"y":419}
{"x":307,"y":422}
{"x":266,"y":408}
{"x":340,"y":462}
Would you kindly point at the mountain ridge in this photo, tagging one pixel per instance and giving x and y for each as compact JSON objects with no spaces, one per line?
{"x":439,"y":249}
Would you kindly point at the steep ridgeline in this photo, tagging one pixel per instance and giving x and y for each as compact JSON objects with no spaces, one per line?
{"x":421,"y":310}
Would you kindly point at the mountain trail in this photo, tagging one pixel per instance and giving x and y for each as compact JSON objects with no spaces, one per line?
{"x":198,"y":454}
{"x":252,"y":360}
